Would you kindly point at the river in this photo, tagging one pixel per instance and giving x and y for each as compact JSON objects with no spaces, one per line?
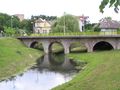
{"x":50,"y":71}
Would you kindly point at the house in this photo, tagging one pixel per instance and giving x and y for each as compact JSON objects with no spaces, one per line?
{"x":82,"y":21}
{"x":109,"y":26}
{"x":42,"y":26}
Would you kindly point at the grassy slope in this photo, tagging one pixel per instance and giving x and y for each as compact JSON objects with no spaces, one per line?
{"x":101,"y":73}
{"x":15,"y":57}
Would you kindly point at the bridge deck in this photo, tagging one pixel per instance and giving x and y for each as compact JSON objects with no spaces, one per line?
{"x":69,"y":37}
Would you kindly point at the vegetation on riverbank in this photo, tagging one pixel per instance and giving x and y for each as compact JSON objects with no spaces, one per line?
{"x":101,"y":72}
{"x":15,"y":57}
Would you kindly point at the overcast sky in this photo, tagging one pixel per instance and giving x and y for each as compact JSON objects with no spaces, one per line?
{"x":57,"y":8}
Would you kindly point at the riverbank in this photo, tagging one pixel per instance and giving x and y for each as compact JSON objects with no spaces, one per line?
{"x":15,"y":57}
{"x":101,"y":72}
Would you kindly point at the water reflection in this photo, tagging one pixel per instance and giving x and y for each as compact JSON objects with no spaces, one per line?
{"x":50,"y":71}
{"x":58,"y":63}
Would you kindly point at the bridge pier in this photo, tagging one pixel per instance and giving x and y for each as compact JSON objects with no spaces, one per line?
{"x":66,"y":45}
{"x":46,"y":46}
{"x":89,"y":46}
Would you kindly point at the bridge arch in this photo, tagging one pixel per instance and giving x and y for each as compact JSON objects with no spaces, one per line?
{"x":103,"y":45}
{"x":56,"y":44}
{"x":33,"y":44}
{"x":77,"y":46}
{"x":36,"y":45}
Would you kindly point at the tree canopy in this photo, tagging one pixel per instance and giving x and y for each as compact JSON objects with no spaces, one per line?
{"x":48,"y":18}
{"x":7,"y":20}
{"x":114,"y":3}
{"x":69,"y":22}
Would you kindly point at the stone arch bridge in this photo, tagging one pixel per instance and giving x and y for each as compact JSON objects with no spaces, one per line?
{"x":89,"y":41}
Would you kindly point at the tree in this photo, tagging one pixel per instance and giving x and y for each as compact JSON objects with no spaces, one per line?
{"x":9,"y":31}
{"x":15,"y":22}
{"x":1,"y":28}
{"x":69,"y":22}
{"x":27,"y":25}
{"x":89,"y":27}
{"x":7,"y":20}
{"x":115,"y":3}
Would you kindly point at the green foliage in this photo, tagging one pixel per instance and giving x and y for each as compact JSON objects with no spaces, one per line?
{"x":15,"y":22}
{"x":115,"y":3}
{"x":9,"y":31}
{"x":27,"y":25}
{"x":96,"y":28}
{"x":1,"y":28}
{"x":68,"y":21}
{"x":7,"y":20}
{"x":4,"y":19}
{"x":89,"y":27}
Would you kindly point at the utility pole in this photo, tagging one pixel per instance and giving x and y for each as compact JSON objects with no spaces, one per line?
{"x":64,"y":23}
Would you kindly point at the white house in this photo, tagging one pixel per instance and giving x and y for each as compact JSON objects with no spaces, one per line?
{"x":82,"y":21}
{"x":42,"y":26}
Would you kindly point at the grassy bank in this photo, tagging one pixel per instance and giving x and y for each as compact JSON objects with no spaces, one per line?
{"x":102,"y":72}
{"x":15,"y":57}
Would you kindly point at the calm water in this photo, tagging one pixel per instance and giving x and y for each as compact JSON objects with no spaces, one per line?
{"x":50,"y":71}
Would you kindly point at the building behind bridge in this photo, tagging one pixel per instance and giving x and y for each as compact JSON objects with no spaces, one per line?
{"x":109,"y":26}
{"x":42,"y":26}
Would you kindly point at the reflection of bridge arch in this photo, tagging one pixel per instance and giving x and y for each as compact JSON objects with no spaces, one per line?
{"x":56,"y":60}
{"x":103,"y":45}
{"x":49,"y":62}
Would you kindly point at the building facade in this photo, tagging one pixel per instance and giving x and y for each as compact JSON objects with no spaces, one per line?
{"x":42,"y":26}
{"x":82,"y":21}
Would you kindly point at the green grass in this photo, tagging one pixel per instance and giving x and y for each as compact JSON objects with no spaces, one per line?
{"x":15,"y":57}
{"x":57,"y":48}
{"x":102,"y":72}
